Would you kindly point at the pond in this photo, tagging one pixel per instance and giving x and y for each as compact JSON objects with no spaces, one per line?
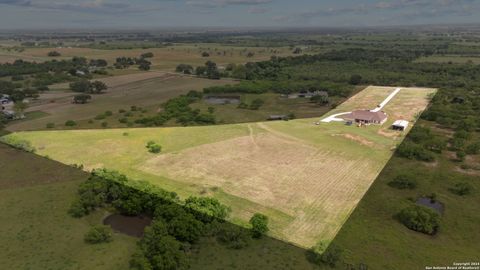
{"x":221,"y":100}
{"x":435,"y":205}
{"x":129,"y":225}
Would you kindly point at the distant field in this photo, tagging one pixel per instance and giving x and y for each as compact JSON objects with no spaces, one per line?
{"x":36,"y":231}
{"x":307,"y":178}
{"x":164,"y":58}
{"x":147,"y":89}
{"x":456,"y":59}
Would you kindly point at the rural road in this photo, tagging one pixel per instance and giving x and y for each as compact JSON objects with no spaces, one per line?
{"x":378,"y":108}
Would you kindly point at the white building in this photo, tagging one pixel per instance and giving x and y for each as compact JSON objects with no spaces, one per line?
{"x":400,"y":125}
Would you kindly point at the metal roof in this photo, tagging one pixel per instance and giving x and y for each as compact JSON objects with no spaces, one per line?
{"x":401,"y":123}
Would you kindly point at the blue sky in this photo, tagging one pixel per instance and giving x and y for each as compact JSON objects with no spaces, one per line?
{"x":232,"y":13}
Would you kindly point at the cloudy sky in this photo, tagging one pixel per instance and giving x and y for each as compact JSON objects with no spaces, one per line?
{"x":16,"y":14}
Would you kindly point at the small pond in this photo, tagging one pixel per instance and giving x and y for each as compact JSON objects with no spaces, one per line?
{"x":435,"y":205}
{"x":221,"y":100}
{"x":132,"y":226}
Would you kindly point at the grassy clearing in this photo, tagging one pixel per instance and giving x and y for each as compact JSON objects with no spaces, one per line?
{"x":274,"y":105}
{"x":307,"y":178}
{"x":372,"y":230}
{"x":36,"y":231}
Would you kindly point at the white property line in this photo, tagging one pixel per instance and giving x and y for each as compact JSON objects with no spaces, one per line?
{"x":378,"y":108}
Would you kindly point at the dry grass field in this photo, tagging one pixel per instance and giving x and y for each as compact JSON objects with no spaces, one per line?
{"x":164,"y":58}
{"x":307,"y":178}
{"x":147,"y":89}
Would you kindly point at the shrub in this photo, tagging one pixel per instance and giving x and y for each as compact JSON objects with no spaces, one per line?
{"x":104,"y":124}
{"x":403,"y":181}
{"x":473,"y":149}
{"x":256,"y":104}
{"x":153,"y":147}
{"x":207,"y":209}
{"x":53,"y":54}
{"x":50,"y":125}
{"x":461,"y":155}
{"x":185,"y":228}
{"x":77,"y":209}
{"x":420,"y":219}
{"x":81,"y":99}
{"x":147,"y":55}
{"x":321,"y":253}
{"x":233,"y":237}
{"x":98,"y":234}
{"x":414,"y":151}
{"x":70,"y":123}
{"x":18,"y":144}
{"x":355,"y":79}
{"x":108,"y":113}
{"x":123,"y":120}
{"x":259,"y":224}
{"x":100,"y":117}
{"x":462,"y":189}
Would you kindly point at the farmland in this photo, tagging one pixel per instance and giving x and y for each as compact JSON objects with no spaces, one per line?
{"x":165,"y":59}
{"x":146,"y":90}
{"x":307,"y":178}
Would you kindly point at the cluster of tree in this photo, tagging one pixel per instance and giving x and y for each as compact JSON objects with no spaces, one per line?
{"x":98,"y":63}
{"x":142,"y":62}
{"x":178,"y":108}
{"x":209,"y":70}
{"x":283,"y":87}
{"x":421,"y":144}
{"x":184,"y":68}
{"x":81,"y":98}
{"x":403,"y":181}
{"x":86,"y":86}
{"x":324,"y":254}
{"x":176,"y":224}
{"x":124,"y":62}
{"x":320,"y":99}
{"x":20,"y":67}
{"x":146,"y":55}
{"x":53,"y":54}
{"x":421,"y":219}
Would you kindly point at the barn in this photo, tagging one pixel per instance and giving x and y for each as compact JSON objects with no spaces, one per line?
{"x":366,"y":117}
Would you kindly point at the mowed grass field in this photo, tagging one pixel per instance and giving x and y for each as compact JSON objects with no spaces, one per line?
{"x":166,"y":58}
{"x":145,"y":90}
{"x":307,"y":178}
{"x":35,"y":230}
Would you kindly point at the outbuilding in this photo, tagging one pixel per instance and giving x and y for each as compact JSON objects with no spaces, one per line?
{"x":400,"y":125}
